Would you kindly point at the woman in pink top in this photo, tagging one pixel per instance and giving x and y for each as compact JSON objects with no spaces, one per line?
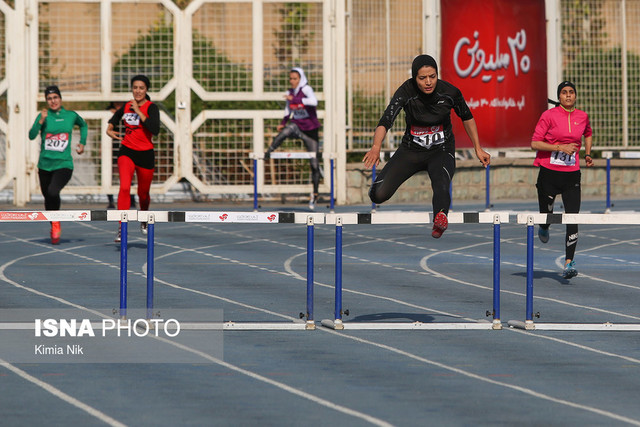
{"x":558,"y":138}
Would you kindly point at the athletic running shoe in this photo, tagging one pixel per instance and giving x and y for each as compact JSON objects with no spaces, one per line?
{"x":55,"y":232}
{"x":118,"y":238}
{"x":570,"y":270}
{"x":440,"y":223}
{"x":312,"y":202}
{"x":543,"y":234}
{"x":143,"y":228}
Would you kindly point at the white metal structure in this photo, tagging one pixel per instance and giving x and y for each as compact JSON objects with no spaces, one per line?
{"x":55,"y":56}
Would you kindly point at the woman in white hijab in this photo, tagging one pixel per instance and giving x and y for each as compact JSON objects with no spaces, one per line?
{"x":301,"y":121}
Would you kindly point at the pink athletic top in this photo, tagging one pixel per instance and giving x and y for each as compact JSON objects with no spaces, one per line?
{"x":558,"y":126}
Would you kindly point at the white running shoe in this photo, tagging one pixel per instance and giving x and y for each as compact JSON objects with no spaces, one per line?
{"x":143,"y":228}
{"x":312,"y":202}
{"x":118,"y":238}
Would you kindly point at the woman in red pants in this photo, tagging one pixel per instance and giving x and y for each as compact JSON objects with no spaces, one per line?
{"x":141,"y":120}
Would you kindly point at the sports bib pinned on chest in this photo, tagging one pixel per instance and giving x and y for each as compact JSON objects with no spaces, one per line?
{"x":56,"y":142}
{"x":132,"y":119}
{"x":560,"y":158}
{"x":300,"y":113}
{"x":427,"y":136}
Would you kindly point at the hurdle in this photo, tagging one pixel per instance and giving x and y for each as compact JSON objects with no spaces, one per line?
{"x":288,"y":155}
{"x":219,"y":217}
{"x":609,"y":155}
{"x":532,"y":219}
{"x":124,"y":216}
{"x":85,"y":216}
{"x":495,"y":218}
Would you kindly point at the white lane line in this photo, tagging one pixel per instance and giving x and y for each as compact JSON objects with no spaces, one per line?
{"x":62,"y":395}
{"x":289,"y":269}
{"x":109,"y":420}
{"x":315,"y":399}
{"x":425,"y":266}
{"x":471,"y":375}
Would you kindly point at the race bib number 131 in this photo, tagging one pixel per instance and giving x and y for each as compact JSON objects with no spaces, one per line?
{"x":560,"y":158}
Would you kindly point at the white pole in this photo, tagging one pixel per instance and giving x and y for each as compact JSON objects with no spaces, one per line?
{"x":339,"y":131}
{"x":21,"y":111}
{"x":554,"y":46}
{"x":625,"y":77}
{"x":430,"y":31}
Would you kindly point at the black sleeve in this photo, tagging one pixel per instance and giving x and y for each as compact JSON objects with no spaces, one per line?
{"x":460,"y":106}
{"x":117,"y":117}
{"x":153,"y":119}
{"x":398,"y":101}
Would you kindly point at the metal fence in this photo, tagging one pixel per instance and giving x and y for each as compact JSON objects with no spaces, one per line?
{"x":219,"y":71}
{"x":601,"y":54}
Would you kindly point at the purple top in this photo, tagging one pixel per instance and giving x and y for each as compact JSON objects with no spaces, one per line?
{"x":301,"y":110}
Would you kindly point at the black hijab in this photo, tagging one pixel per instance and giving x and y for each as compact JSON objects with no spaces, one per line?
{"x":423,"y":61}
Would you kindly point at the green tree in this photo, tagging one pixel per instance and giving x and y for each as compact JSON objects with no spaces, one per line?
{"x":293,"y":37}
{"x":582,"y":27}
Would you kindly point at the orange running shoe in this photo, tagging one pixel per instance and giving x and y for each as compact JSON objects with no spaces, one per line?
{"x":55,"y":232}
{"x":440,"y":223}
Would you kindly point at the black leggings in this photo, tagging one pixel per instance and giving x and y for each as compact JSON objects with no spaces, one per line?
{"x":406,"y":162}
{"x":550,"y":184}
{"x":51,"y":183}
{"x":310,"y":139}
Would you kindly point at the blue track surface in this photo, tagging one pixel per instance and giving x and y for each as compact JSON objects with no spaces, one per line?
{"x":393,"y":273}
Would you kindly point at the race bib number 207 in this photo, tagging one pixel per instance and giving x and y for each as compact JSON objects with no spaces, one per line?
{"x":56,"y":142}
{"x":428,"y":136}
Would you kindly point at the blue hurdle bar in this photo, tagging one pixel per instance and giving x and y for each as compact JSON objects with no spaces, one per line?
{"x":496,"y":270}
{"x":310,"y":250}
{"x":529,"y":314}
{"x":338,"y":277}
{"x":150,"y":265}
{"x":123,"y":265}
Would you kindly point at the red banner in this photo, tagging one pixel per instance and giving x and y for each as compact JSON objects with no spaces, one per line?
{"x":494,"y":51}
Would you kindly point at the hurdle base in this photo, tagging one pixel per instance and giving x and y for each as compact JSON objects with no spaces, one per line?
{"x":607,"y":326}
{"x":496,"y":325}
{"x":517,"y":324}
{"x":310,"y":325}
{"x":333,"y":324}
{"x":408,"y":326}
